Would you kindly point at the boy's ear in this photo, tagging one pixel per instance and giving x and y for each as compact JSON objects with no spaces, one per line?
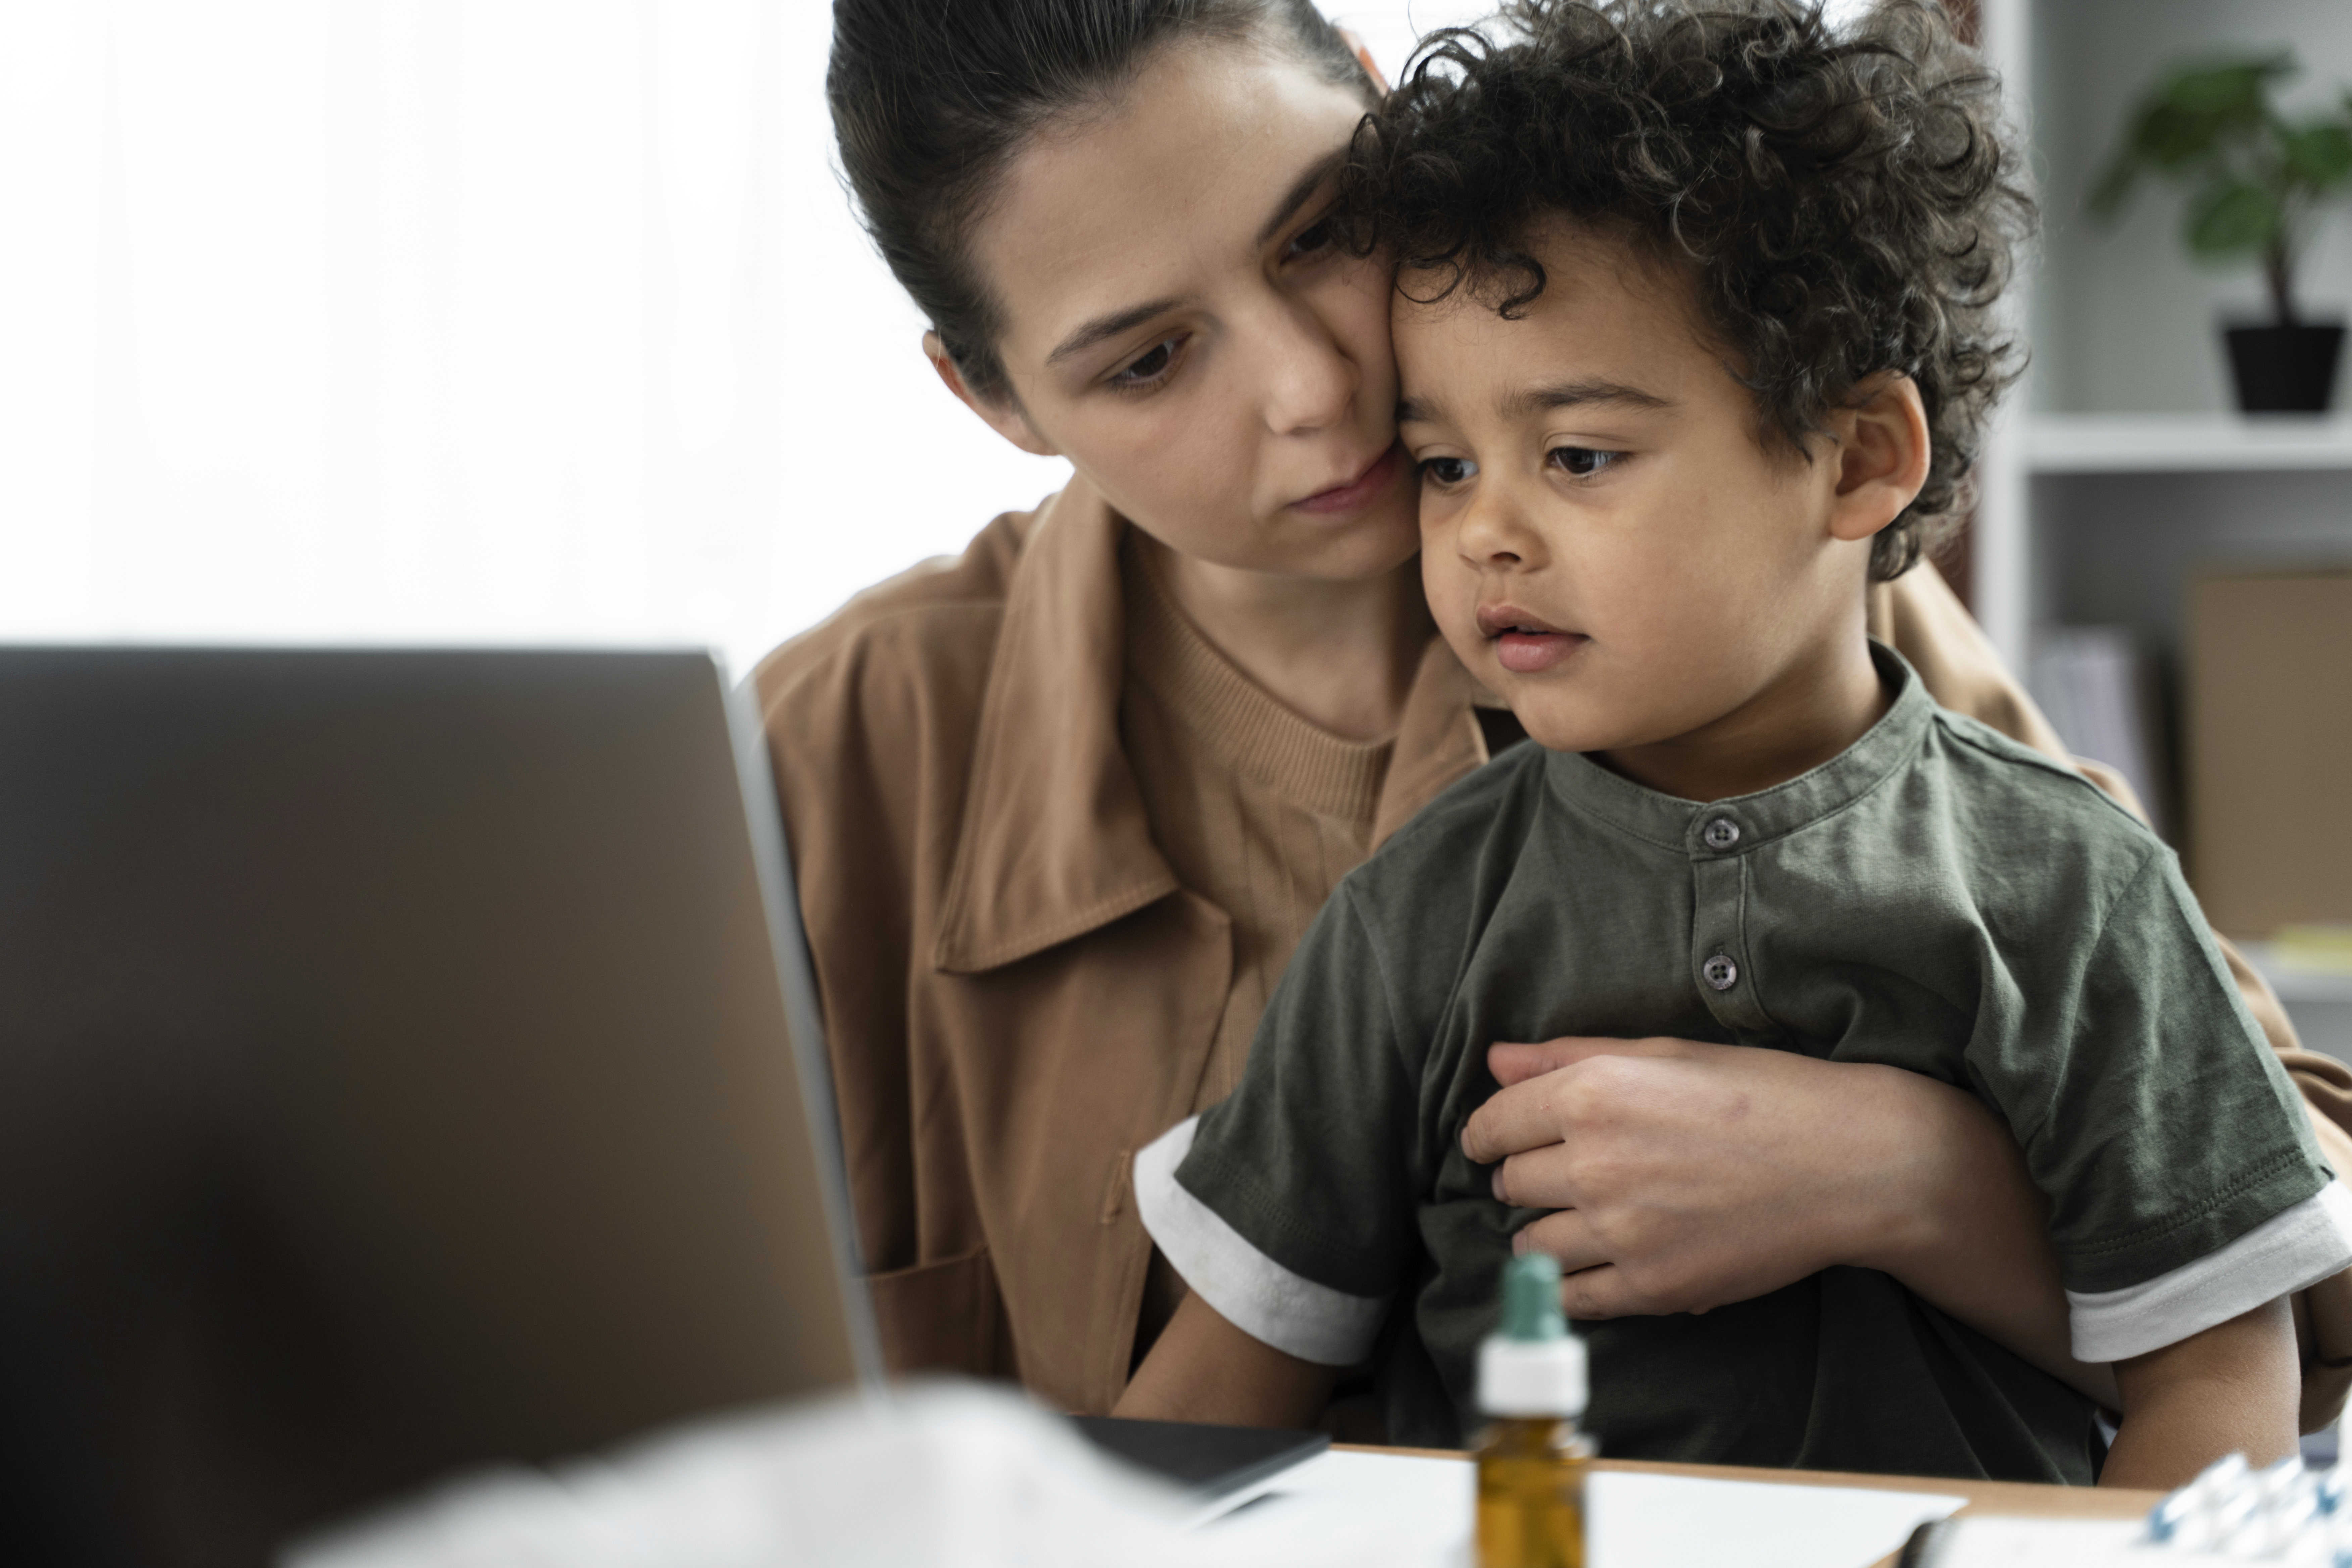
{"x":1006,"y":418}
{"x":1882,"y":455}
{"x":1363,"y":53}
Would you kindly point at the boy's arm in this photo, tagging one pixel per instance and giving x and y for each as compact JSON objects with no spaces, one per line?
{"x":2231,"y":1388}
{"x":1920,"y":617}
{"x":1204,"y":1369}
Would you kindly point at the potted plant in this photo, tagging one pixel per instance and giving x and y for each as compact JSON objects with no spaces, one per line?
{"x":2254,"y":178}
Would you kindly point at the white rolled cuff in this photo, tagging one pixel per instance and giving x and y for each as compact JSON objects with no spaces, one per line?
{"x":2291,"y":1249}
{"x":1256,"y":1294}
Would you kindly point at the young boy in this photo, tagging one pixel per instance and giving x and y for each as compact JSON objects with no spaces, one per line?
{"x":1695,"y":338}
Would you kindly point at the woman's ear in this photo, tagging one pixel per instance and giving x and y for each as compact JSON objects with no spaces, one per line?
{"x":1006,"y":418}
{"x":1363,"y":53}
{"x":1883,"y":449}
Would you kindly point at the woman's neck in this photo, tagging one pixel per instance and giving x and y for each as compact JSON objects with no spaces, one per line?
{"x":1341,"y":655}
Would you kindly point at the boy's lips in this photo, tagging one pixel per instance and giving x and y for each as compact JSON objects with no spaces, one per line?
{"x":1525,"y":644}
{"x":1360,"y":491}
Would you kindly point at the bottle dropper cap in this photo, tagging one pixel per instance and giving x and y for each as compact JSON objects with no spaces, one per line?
{"x":1531,"y":1366}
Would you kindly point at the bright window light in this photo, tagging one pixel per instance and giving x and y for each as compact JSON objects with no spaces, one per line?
{"x":460,"y":320}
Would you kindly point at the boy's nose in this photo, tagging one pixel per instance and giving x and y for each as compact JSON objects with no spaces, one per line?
{"x":1492,"y":532}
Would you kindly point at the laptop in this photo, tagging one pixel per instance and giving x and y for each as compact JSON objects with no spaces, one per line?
{"x":408,"y":1061}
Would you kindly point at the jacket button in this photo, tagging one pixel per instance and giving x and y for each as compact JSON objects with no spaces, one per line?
{"x":1721,"y":971}
{"x":1721,"y":834}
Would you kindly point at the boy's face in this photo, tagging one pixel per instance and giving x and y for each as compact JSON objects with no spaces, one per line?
{"x":1604,"y":542}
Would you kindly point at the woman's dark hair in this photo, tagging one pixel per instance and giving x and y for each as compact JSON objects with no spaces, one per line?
{"x":932,"y":99}
{"x":1845,"y":197}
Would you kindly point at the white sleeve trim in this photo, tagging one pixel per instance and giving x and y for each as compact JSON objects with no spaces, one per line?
{"x":2291,"y":1249}
{"x":1254,"y":1293}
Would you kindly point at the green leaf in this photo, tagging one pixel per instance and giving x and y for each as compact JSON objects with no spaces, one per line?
{"x":2227,"y":93}
{"x":2229,"y":216}
{"x":2318,"y":154}
{"x":2171,"y":137}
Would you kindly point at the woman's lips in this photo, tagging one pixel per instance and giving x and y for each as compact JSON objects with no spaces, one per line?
{"x":1357,"y":493}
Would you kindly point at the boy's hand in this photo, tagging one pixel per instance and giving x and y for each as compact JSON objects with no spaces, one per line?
{"x":2230,"y":1389}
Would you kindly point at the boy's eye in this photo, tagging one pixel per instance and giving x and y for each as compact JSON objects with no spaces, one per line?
{"x":1149,"y":368}
{"x":1582,"y":462}
{"x":1448,"y":471}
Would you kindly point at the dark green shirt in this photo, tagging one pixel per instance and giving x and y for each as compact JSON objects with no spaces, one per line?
{"x":1936,"y":897}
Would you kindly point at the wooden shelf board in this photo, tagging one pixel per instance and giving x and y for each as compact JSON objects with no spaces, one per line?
{"x":2186,"y":443}
{"x":2294,"y":983}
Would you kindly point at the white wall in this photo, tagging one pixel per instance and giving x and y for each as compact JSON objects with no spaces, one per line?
{"x":459,"y":321}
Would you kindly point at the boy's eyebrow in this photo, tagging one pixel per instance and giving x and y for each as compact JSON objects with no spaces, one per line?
{"x":1533,"y":400}
{"x":1413,"y":411}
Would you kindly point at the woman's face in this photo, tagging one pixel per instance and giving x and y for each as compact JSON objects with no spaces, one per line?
{"x":1180,"y":324}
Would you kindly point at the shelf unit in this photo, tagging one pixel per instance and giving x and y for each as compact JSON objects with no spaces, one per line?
{"x":2123,"y":427}
{"x":2184,"y":444}
{"x":2119,"y":468}
{"x":2297,"y":982}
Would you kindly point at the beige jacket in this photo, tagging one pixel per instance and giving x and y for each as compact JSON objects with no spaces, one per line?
{"x":1018,"y":994}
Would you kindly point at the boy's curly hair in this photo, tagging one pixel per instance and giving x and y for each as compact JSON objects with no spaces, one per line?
{"x":1846,"y":198}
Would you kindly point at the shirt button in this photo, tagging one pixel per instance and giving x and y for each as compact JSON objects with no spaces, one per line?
{"x":1721,"y":834}
{"x":1721,"y":971}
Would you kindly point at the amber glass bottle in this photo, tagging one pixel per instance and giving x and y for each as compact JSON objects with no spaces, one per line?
{"x":1532,"y":1459}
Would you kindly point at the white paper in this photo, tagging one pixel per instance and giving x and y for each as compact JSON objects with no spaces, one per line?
{"x":1400,"y":1510}
{"x":1994,"y":1542}
{"x":1679,"y":1522}
{"x":1413,"y":1512}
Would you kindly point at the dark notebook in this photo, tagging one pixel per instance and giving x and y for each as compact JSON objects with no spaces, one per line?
{"x":1208,"y":1461}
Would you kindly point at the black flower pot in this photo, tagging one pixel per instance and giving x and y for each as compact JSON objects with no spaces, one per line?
{"x":2285,"y":369}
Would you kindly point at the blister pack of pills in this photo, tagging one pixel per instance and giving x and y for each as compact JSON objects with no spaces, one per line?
{"x":2286,"y":1513}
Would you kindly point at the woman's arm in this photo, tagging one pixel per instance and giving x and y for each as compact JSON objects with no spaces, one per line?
{"x":1692,"y":1175}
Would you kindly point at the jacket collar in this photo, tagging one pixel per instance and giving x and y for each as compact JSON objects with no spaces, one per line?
{"x":1053,"y":842}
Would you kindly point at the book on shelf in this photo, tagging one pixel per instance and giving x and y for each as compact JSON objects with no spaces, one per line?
{"x":2097,"y":687}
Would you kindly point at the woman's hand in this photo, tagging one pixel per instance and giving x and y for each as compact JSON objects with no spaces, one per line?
{"x":1688,"y":1175}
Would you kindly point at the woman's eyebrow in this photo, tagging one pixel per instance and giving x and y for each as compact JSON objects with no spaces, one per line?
{"x":1301,"y":190}
{"x":1112,"y":324}
{"x":1109,"y":326}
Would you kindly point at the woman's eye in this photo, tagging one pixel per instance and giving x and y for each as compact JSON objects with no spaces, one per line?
{"x":1149,"y":368}
{"x":1317,"y":236}
{"x":1448,"y":471}
{"x":1583,"y":462}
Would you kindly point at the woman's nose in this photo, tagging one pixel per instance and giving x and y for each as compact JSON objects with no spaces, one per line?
{"x":1310,"y":383}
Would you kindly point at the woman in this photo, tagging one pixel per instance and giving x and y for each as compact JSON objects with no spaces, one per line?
{"x":1062,"y":807}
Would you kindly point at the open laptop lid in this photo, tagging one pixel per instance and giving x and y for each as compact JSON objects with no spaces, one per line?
{"x":401,"y":1069}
